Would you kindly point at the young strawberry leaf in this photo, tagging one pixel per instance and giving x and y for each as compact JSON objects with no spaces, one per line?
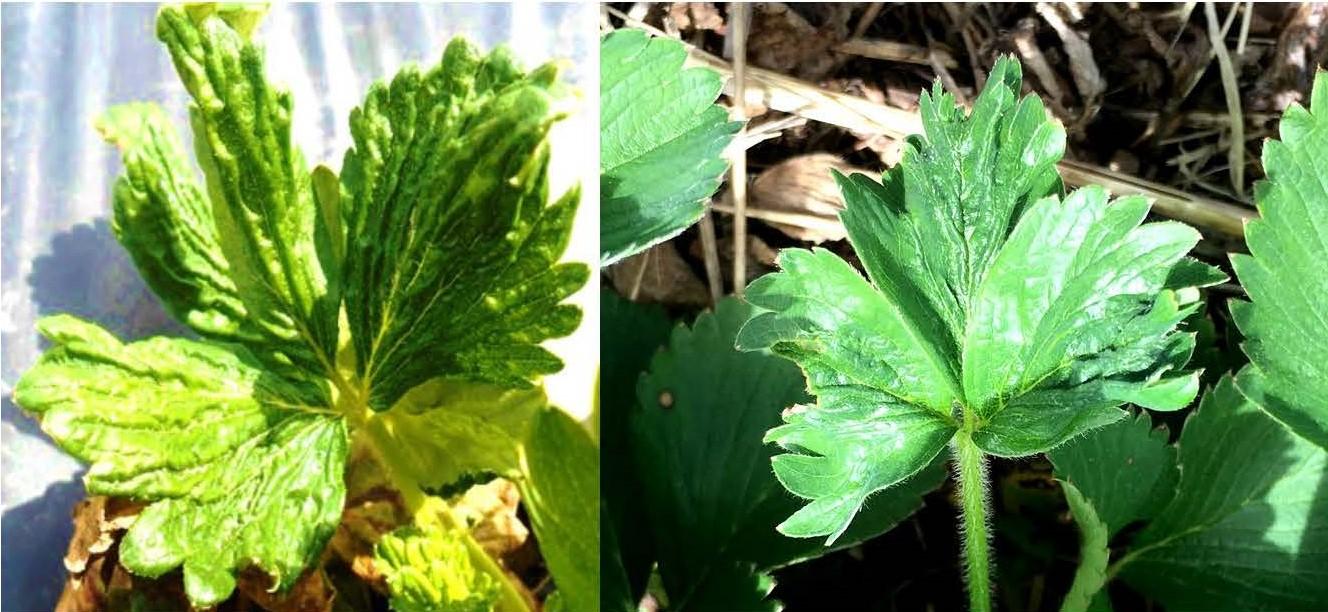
{"x":258,"y":183}
{"x":428,"y":567}
{"x":1286,"y":275}
{"x":1126,"y":470}
{"x":1246,"y":528}
{"x":704,"y":404}
{"x":661,"y":138}
{"x":452,"y":252}
{"x":994,"y":308}
{"x":240,"y":466}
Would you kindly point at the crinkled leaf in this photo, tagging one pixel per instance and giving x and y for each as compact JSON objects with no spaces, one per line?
{"x":661,"y":139}
{"x":240,"y":467}
{"x":1091,"y":574}
{"x":446,"y":429}
{"x":258,"y":184}
{"x":452,"y":247}
{"x":428,"y":568}
{"x":703,"y":405}
{"x":164,"y":220}
{"x":1286,"y":275}
{"x":560,"y":486}
{"x":1126,"y":470}
{"x":630,"y":333}
{"x":1033,"y":316}
{"x":1247,"y":528}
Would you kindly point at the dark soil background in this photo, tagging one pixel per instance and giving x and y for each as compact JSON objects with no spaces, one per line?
{"x":1141,"y":93}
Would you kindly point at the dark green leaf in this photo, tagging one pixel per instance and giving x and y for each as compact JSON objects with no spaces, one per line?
{"x":630,"y":334}
{"x":1127,"y":470}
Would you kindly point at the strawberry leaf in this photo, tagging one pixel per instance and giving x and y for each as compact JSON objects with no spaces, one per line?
{"x":1286,"y":275}
{"x":258,"y":183}
{"x":1246,"y":528}
{"x":239,"y":466}
{"x":990,"y":304}
{"x":661,"y":136}
{"x":704,"y":404}
{"x":451,"y":256}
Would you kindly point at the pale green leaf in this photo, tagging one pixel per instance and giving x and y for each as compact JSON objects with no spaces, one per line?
{"x":990,"y":301}
{"x":164,"y":220}
{"x":560,"y":488}
{"x":661,"y":139}
{"x":452,"y":246}
{"x":258,"y":183}
{"x":704,"y":472}
{"x":446,"y":429}
{"x":1286,"y":275}
{"x":428,"y":568}
{"x":239,"y":467}
{"x":1126,"y":470}
{"x":1091,"y":575}
{"x":1247,"y":528}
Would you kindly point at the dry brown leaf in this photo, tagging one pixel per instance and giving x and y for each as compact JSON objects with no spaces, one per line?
{"x":659,"y":275}
{"x":696,"y":16}
{"x":783,"y":40}
{"x":804,"y":184}
{"x":489,"y":510}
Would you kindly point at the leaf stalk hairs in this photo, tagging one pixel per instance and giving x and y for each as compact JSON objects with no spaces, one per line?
{"x":999,"y":315}
{"x":974,"y":504}
{"x":399,"y":306}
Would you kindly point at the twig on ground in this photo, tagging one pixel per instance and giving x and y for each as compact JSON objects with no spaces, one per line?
{"x":891,"y":51}
{"x":868,"y":16}
{"x":738,"y":180}
{"x":714,"y":278}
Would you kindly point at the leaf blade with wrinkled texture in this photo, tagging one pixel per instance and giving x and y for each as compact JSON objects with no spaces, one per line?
{"x":257,"y":182}
{"x":661,"y":136}
{"x":162,"y":217}
{"x":452,"y":244}
{"x":241,"y":467}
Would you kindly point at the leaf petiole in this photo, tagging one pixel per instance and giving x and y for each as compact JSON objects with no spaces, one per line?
{"x":971,"y":473}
